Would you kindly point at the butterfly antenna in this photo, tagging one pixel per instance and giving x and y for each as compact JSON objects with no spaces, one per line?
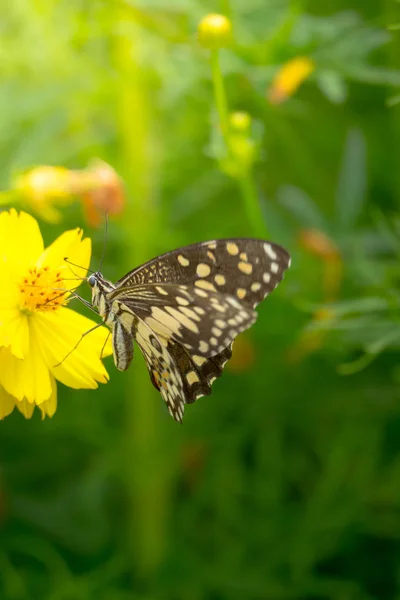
{"x":105,"y":241}
{"x":75,"y":265}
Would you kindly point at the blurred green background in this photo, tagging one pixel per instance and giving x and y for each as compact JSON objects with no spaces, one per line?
{"x":285,"y":483}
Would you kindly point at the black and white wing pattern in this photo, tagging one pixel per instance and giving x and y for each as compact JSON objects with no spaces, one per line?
{"x":245,"y":268}
{"x":180,"y":377}
{"x":186,"y":307}
{"x":203,"y":322}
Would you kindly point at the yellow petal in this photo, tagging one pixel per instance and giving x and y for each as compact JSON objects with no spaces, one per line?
{"x":26,"y":408}
{"x":25,"y":378}
{"x":69,"y":245}
{"x":289,"y":78}
{"x":21,"y":242}
{"x":57,"y":333}
{"x":49,"y":407}
{"x":14,"y":332}
{"x":9,"y":291}
{"x":7,"y":403}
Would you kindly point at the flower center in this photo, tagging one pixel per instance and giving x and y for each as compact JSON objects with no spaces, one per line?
{"x":41,"y":289}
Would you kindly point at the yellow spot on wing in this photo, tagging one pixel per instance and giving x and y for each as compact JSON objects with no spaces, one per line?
{"x":165,"y":319}
{"x":161,"y":290}
{"x":183,"y":261}
{"x":203,"y":346}
{"x":161,"y":330}
{"x":182,"y":301}
{"x":232,"y":248}
{"x":211,"y":256}
{"x":192,"y":377}
{"x":220,"y":279}
{"x":245,"y":268}
{"x":255,"y":286}
{"x":205,"y":285}
{"x":240,"y":293}
{"x":190,"y":313}
{"x":183,"y":319}
{"x":203,"y":270}
{"x":199,"y":360}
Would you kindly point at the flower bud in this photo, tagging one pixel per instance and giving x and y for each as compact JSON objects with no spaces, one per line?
{"x":215,"y":31}
{"x":240,"y":121}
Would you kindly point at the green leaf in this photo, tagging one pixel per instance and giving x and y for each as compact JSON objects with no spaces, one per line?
{"x":332,"y":85}
{"x":351,"y":190}
{"x":302,"y":207}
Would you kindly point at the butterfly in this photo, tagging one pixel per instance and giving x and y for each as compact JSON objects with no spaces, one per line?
{"x":185,"y":308}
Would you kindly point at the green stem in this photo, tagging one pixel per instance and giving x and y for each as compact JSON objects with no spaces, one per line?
{"x":252,"y":204}
{"x":145,"y":466}
{"x":226,"y":8}
{"x":220,"y":97}
{"x":245,"y":180}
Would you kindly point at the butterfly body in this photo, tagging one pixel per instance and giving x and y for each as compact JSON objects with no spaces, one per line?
{"x":185,"y":308}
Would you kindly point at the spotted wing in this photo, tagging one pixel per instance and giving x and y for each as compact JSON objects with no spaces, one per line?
{"x":198,"y":372}
{"x":180,"y":377}
{"x":164,"y":370}
{"x":245,"y":268}
{"x":203,"y":322}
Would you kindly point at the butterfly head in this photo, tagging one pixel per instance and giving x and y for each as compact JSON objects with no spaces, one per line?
{"x":100,"y":289}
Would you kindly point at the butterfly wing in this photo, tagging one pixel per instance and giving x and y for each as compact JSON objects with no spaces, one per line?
{"x":245,"y":268}
{"x":180,"y":377}
{"x":163,"y":369}
{"x":186,"y":307}
{"x":203,"y":322}
{"x":198,"y":372}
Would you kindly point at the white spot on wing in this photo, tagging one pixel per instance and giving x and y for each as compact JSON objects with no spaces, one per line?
{"x":270,"y":251}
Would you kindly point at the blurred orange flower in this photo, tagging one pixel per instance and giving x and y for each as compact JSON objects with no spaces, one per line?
{"x":105,"y":193}
{"x":243,"y":355}
{"x":319,"y":244}
{"x":310,"y":340}
{"x":289,"y":78}
{"x":45,"y":189}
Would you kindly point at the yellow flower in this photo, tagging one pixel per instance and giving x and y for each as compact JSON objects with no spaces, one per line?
{"x":37,"y":330}
{"x":289,"y":78}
